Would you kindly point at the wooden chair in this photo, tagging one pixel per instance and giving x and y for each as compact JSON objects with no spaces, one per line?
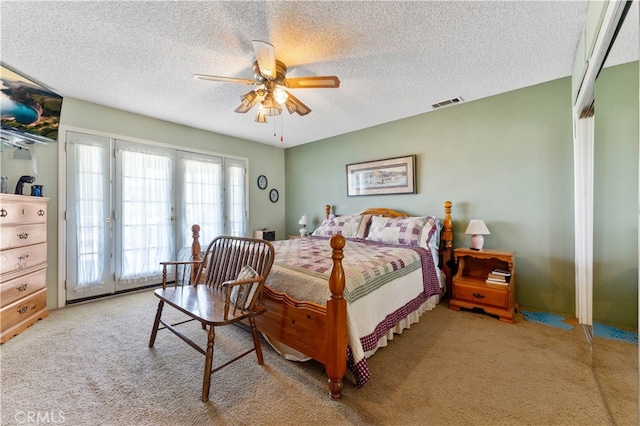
{"x":225,"y":290}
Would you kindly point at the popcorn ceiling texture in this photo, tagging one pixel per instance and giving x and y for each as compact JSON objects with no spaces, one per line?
{"x":394,"y":59}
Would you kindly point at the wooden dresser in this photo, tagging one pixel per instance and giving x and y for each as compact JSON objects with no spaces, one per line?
{"x":23,"y":263}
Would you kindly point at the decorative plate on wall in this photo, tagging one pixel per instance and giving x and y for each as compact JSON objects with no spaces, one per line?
{"x":262,"y":182}
{"x":273,"y":195}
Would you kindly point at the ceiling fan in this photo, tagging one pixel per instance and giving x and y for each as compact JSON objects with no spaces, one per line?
{"x":270,"y":76}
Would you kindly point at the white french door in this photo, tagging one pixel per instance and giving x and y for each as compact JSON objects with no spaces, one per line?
{"x":121,"y":213}
{"x":88,"y":209}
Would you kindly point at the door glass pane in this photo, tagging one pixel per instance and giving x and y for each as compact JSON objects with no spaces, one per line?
{"x":145,"y":219}
{"x":90,"y":223}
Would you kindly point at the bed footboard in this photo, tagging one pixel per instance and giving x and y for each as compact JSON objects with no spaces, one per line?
{"x":296,"y":324}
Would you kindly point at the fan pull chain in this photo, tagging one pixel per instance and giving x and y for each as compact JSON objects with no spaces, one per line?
{"x":281,"y":132}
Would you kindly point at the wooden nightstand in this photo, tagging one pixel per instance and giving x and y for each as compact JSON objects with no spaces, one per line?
{"x":470,"y":289}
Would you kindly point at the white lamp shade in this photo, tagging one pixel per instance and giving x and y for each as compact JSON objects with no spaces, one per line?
{"x":477,"y":226}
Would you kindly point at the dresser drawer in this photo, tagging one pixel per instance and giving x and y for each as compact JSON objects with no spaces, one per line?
{"x":22,"y":286}
{"x":485,"y":295}
{"x":22,"y":235}
{"x":22,"y":311}
{"x":23,"y":209}
{"x":22,"y":258}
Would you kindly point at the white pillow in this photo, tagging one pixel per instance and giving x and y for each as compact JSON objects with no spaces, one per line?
{"x":403,"y":231}
{"x":349,"y":226}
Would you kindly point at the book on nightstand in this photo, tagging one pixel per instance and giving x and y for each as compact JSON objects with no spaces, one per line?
{"x":496,"y":281}
{"x":499,"y":276}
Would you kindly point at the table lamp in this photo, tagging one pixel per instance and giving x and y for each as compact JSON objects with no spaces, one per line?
{"x":477,"y":229}
{"x":304,"y":222}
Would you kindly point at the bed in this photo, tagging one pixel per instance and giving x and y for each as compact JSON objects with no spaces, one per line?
{"x":341,"y":324}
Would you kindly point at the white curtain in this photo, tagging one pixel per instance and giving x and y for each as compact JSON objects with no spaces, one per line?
{"x":147,"y":231}
{"x":236,"y":197}
{"x":90,"y":224}
{"x":203,"y":202}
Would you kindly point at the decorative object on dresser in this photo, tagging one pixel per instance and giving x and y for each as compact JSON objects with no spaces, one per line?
{"x":23,"y":263}
{"x":304,"y":221}
{"x":477,"y":229}
{"x":473,"y":285}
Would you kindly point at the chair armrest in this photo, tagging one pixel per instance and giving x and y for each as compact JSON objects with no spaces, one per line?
{"x":227,"y":286}
{"x":165,"y":264}
{"x":182,"y":262}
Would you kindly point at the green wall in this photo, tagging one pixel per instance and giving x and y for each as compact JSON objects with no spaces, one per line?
{"x":82,"y":116}
{"x":507,"y":159}
{"x":615,"y":215}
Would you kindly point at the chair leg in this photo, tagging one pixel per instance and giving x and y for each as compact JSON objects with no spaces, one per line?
{"x":256,"y":340}
{"x":156,"y":324}
{"x":208,"y":364}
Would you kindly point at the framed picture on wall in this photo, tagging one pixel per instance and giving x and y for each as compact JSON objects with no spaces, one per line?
{"x":390,"y":176}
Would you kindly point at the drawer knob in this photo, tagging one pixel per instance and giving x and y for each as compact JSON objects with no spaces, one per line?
{"x":23,"y":235}
{"x":24,"y":309}
{"x":23,"y":256}
{"x":40,"y":212}
{"x":3,"y":213}
{"x":22,"y":287}
{"x":478,"y":295}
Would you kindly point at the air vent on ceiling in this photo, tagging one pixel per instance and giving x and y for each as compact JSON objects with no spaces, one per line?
{"x":448,"y":102}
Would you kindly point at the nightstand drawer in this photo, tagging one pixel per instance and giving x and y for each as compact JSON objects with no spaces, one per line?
{"x":483,"y":294}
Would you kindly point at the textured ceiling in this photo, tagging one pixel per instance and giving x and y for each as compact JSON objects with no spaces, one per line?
{"x":394,"y":59}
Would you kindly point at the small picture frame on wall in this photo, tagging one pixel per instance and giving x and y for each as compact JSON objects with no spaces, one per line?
{"x":262,"y":182}
{"x":390,"y":176}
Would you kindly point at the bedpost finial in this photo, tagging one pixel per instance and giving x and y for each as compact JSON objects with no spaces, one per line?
{"x":337,"y":241}
{"x":195,"y":228}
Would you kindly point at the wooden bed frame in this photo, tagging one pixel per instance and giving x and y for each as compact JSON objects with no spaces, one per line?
{"x":297,"y":324}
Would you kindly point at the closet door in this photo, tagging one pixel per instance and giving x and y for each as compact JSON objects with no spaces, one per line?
{"x":89,"y":218}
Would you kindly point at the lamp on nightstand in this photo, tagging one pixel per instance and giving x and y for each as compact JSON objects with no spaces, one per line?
{"x":304,"y":221}
{"x":477,"y":229}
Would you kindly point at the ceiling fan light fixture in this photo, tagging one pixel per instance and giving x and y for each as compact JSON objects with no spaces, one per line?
{"x":280,"y":95}
{"x":248,"y":99}
{"x":261,"y":116}
{"x":270,"y":106}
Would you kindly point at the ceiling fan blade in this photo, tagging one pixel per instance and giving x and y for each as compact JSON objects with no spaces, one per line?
{"x":224,"y":79}
{"x":323,"y":82}
{"x":266,"y":57}
{"x":294,"y":104}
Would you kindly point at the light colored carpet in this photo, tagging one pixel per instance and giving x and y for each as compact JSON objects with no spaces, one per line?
{"x":89,"y":364}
